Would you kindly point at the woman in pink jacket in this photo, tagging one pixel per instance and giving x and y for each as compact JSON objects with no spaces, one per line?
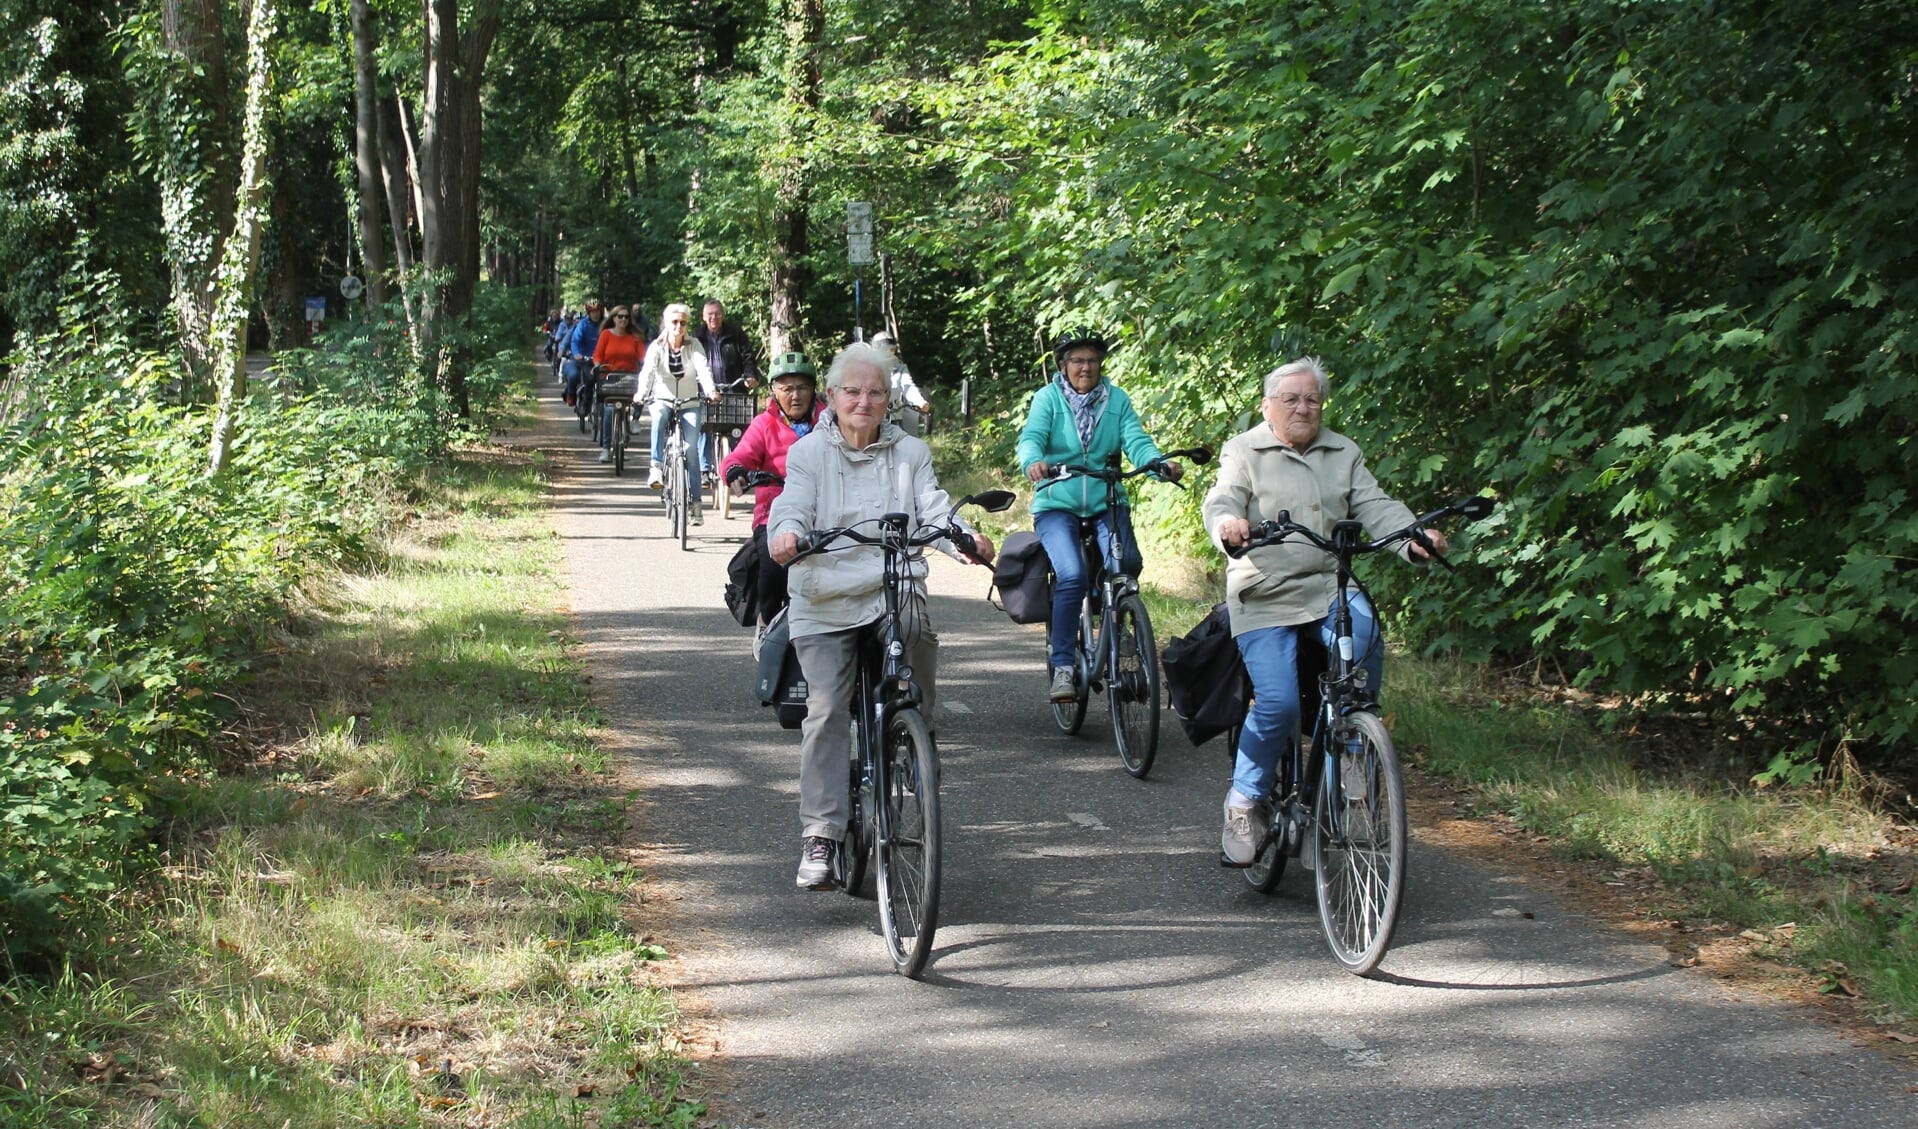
{"x":793,"y":410}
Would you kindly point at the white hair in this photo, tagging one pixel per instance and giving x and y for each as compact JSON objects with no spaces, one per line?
{"x":1292,"y":368}
{"x":855,"y":354}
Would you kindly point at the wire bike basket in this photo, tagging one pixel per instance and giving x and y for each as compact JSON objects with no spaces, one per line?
{"x":731,"y":416}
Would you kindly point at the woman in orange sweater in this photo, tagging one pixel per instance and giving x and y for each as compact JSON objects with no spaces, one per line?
{"x":619,"y":352}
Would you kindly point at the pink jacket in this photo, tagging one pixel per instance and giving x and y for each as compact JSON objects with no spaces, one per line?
{"x":764,"y":447}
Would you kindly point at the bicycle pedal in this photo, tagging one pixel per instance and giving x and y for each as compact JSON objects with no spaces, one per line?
{"x":1228,"y":864}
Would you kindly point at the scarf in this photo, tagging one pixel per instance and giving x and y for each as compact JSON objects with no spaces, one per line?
{"x":1086,"y":408}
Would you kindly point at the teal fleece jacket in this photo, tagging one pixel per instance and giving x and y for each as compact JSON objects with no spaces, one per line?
{"x":1050,"y":437}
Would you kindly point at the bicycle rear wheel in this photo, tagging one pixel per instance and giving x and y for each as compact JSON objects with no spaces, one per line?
{"x":855,"y":850}
{"x":1069,"y":716}
{"x":1132,"y":693}
{"x":1359,"y":831}
{"x":908,"y":843}
{"x":722,"y":497}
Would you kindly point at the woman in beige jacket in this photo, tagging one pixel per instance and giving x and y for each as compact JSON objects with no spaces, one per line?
{"x":1274,"y":595}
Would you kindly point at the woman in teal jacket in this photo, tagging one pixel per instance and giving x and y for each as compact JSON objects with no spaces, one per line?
{"x":1082,"y":419}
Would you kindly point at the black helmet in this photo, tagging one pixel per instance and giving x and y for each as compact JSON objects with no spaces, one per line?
{"x":1078,"y":337}
{"x":793,"y":364}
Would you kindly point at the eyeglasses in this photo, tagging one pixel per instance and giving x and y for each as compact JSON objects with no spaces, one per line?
{"x":621,"y":317}
{"x":1292,"y":401}
{"x":1084,"y":362}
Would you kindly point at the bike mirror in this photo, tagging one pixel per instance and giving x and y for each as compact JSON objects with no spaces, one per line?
{"x":1476,"y":507}
{"x":991,"y":501}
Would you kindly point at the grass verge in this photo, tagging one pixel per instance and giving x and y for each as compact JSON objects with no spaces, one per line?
{"x":413,"y":908}
{"x":1817,"y":876}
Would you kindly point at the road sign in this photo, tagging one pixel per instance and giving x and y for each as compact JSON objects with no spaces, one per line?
{"x":351,"y":287}
{"x":858,"y":233}
{"x":316,"y":309}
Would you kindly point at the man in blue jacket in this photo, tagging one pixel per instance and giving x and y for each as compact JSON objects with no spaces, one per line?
{"x":1080,"y":418}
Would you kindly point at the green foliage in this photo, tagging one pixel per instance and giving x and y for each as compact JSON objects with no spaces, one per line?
{"x":135,"y":587}
{"x":1637,"y":272}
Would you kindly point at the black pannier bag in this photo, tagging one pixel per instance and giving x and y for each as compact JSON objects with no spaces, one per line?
{"x":1205,"y":676}
{"x":1022,"y":576}
{"x":742,"y":584}
{"x":781,"y":685}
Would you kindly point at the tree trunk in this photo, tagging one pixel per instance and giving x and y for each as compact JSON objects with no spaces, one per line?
{"x":197,"y":173}
{"x":234,"y":282}
{"x":805,"y":25}
{"x":449,"y":162}
{"x":366,"y":154}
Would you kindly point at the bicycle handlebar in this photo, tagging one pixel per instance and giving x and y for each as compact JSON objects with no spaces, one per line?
{"x":820,"y":540}
{"x":1347,"y":538}
{"x":1111,"y":472}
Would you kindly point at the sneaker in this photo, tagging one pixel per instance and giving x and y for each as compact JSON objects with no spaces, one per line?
{"x":697,"y":517}
{"x":1239,"y":842}
{"x":815,"y":863}
{"x":1062,"y":689}
{"x":653,"y":481}
{"x":605,"y":456}
{"x":759,"y":639}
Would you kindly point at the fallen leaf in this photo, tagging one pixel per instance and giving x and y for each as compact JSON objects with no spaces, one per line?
{"x":225,"y":946}
{"x":1901,"y":1037}
{"x":585,"y":1090}
{"x":484,"y":796}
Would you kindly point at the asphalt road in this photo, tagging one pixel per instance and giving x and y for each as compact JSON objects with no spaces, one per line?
{"x":1094,"y":966}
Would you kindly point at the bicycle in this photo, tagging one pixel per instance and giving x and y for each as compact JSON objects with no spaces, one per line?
{"x":725,"y":422}
{"x":677,"y":471}
{"x":583,"y":396}
{"x":619,"y":397}
{"x":1345,"y":798}
{"x":1113,"y":651}
{"x":894,"y":772}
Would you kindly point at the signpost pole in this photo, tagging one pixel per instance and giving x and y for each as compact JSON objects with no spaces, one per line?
{"x":858,"y":254}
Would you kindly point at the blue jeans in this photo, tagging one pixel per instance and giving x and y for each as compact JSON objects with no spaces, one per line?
{"x":688,"y":434}
{"x":1272,"y":659}
{"x":574,"y":368}
{"x":1059,"y":532}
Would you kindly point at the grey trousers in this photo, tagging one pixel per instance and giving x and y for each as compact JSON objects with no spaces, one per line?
{"x":830,"y":664}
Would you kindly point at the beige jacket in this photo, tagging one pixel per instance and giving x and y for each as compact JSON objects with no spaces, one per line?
{"x":1290,"y":584}
{"x":828,"y":484}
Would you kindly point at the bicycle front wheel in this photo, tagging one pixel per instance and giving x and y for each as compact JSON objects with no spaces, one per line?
{"x":687,"y":499}
{"x":675,"y":499}
{"x":1359,"y":831}
{"x":1133,"y":692}
{"x":908,"y":845}
{"x":619,"y":443}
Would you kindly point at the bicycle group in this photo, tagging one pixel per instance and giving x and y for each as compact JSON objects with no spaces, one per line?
{"x":846,"y":501}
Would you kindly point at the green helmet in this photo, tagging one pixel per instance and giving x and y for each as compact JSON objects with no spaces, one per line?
{"x":794,"y":364}
{"x":1076,"y":338}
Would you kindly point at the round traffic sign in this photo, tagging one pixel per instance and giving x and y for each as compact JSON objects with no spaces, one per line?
{"x":350,"y":287}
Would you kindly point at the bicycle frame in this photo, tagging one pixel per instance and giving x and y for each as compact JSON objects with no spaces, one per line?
{"x":887,"y":697}
{"x":1348,"y":796}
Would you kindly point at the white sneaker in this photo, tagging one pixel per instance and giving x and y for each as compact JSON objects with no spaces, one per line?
{"x":815,"y":863}
{"x":1239,"y":842}
{"x":697,"y":517}
{"x":653,"y":481}
{"x":605,"y":456}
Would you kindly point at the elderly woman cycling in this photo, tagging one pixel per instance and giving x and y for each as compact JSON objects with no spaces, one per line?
{"x":852,"y":466}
